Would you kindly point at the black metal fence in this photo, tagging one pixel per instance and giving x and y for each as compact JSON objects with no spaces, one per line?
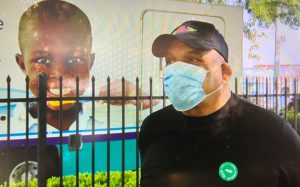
{"x":278,"y":94}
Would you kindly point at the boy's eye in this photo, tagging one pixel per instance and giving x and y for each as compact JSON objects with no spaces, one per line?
{"x":74,"y":60}
{"x":43,"y":60}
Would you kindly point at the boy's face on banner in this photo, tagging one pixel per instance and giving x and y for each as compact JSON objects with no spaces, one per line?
{"x":57,"y":49}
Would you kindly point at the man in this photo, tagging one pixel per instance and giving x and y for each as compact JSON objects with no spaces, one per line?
{"x":209,"y":136}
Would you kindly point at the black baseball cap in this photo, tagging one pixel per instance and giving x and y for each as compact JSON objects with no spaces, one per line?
{"x":196,"y":34}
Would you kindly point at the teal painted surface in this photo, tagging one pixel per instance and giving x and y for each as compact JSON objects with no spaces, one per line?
{"x":85,"y":157}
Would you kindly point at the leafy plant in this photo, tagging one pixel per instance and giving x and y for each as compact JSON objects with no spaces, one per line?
{"x":291,"y":117}
{"x":263,"y":14}
{"x":85,"y":179}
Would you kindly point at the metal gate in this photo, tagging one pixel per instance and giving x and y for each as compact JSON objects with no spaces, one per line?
{"x":277,"y":94}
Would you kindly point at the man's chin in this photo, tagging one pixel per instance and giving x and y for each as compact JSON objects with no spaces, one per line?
{"x":55,"y":105}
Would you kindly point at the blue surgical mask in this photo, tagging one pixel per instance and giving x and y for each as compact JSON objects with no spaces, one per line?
{"x":184,"y":85}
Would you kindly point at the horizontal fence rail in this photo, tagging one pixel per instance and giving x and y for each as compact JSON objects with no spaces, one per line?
{"x":38,"y":147}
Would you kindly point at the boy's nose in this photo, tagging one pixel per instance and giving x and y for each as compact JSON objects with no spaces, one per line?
{"x":57,"y":70}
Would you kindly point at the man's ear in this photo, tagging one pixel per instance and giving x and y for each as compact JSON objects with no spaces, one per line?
{"x":226,"y":73}
{"x":20,"y":62}
{"x":92,"y":60}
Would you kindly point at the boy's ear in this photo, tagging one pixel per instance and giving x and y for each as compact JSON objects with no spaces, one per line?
{"x":92,"y":60}
{"x":20,"y":62}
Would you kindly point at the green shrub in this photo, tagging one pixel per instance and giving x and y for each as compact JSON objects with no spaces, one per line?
{"x":291,"y":118}
{"x":85,"y":179}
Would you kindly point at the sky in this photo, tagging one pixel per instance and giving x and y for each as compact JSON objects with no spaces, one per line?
{"x":289,"y":51}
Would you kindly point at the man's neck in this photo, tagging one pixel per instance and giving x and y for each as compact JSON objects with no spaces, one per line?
{"x":211,"y":104}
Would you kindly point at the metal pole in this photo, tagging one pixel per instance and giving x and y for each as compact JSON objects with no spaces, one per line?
{"x":276,"y":95}
{"x":123,"y":132}
{"x":151,"y":90}
{"x":8,"y":125}
{"x":137,"y":132}
{"x":60,"y":131}
{"x":93,"y":131}
{"x":42,"y":181}
{"x":285,"y":98}
{"x":77,"y":131}
{"x":27,"y":131}
{"x":267,"y":91}
{"x":296,"y":105}
{"x":108,"y":132}
{"x":236,"y":86}
{"x":256,"y":91}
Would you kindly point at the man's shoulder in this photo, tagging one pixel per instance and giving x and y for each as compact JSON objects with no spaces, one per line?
{"x":164,"y":116}
{"x":168,"y":110}
{"x":254,"y":118}
{"x":247,"y":109}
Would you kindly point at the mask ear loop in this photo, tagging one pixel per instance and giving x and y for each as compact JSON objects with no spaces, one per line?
{"x":215,"y":67}
{"x":221,"y":82}
{"x":162,"y":66}
{"x":221,"y":85}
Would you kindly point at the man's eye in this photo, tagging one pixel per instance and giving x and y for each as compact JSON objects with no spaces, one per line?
{"x":194,"y":60}
{"x":43,"y":60}
{"x":170,"y":62}
{"x":74,"y":60}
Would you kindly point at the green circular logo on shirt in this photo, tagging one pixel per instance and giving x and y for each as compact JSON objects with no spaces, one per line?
{"x":228,"y":171}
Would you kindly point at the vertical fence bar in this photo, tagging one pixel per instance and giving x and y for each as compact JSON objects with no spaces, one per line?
{"x":236,"y":86}
{"x":61,"y":131}
{"x":77,"y":131}
{"x":282,"y":92}
{"x":270,"y":92}
{"x":261,"y":91}
{"x":123,"y":131}
{"x":256,"y":90}
{"x":108,"y":132}
{"x":276,"y":95}
{"x":285,"y":98}
{"x":93,"y":131}
{"x":251,"y":89}
{"x":151,"y":98}
{"x":273,"y":102}
{"x":27,"y":131}
{"x":247,"y":85}
{"x":164,"y":96}
{"x":296,"y":104}
{"x":267,"y":91}
{"x":42,"y":181}
{"x":137,"y":131}
{"x":8,"y":125}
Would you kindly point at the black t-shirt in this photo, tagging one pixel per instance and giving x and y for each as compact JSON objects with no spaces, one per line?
{"x":181,"y":151}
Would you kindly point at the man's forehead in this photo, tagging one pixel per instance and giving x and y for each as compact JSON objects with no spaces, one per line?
{"x":199,"y":52}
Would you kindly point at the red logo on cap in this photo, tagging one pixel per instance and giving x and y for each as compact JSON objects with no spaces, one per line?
{"x":183,"y":28}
